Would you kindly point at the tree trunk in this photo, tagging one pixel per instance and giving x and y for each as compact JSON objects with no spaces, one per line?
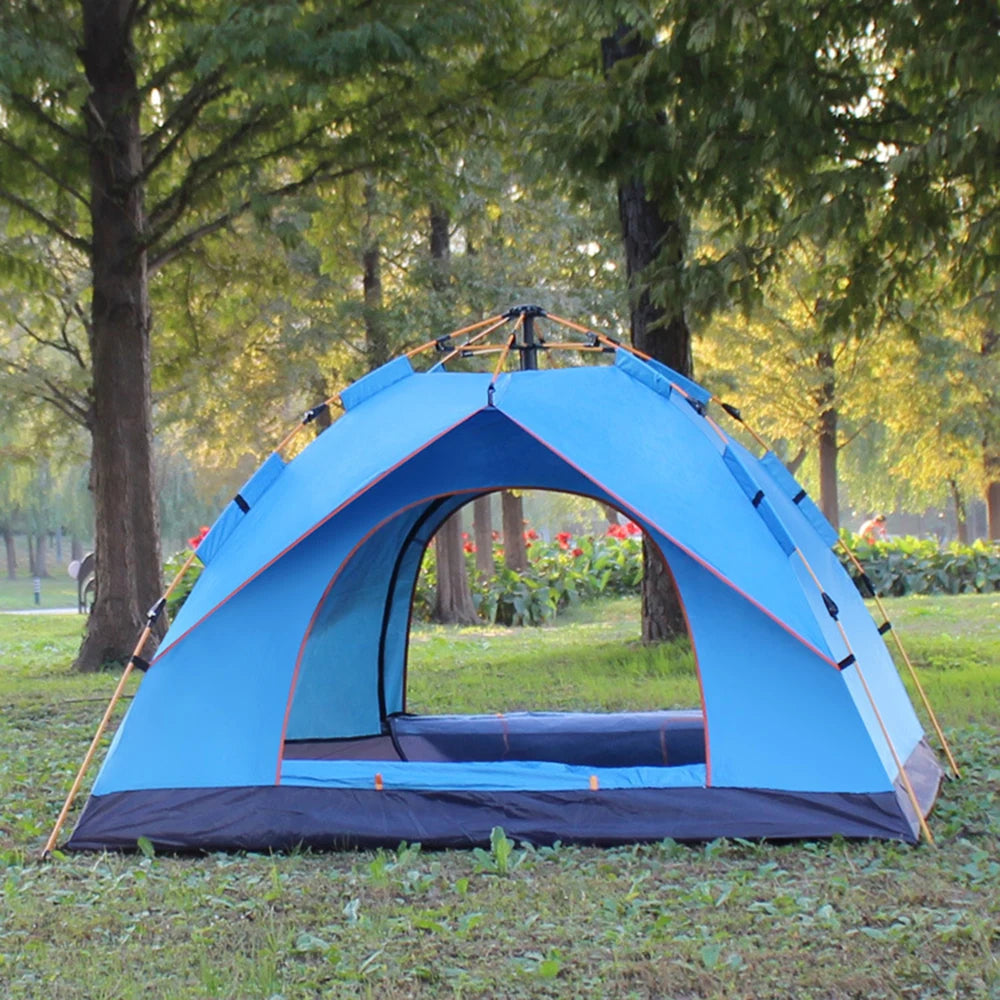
{"x":31,"y":555}
{"x":826,"y":438}
{"x":454,"y":598}
{"x":991,"y":438}
{"x":961,"y":516}
{"x":321,"y":391}
{"x":127,"y":537}
{"x":515,"y":553}
{"x":8,"y":541}
{"x":662,"y":611}
{"x":376,"y":336}
{"x":440,"y":240}
{"x":610,"y":514}
{"x":482,"y":533}
{"x":993,"y":500}
{"x":652,"y":242}
{"x":41,"y":556}
{"x":454,"y":590}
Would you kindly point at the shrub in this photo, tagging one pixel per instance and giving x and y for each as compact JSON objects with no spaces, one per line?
{"x":561,"y":572}
{"x":920,"y":566}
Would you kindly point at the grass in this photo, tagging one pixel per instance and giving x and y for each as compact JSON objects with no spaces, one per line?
{"x":59,"y":591}
{"x":830,"y":920}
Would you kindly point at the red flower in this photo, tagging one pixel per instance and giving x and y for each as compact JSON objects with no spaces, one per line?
{"x":465,"y":536}
{"x":563,"y":539}
{"x":195,"y":541}
{"x":530,"y":535}
{"x":617,"y":531}
{"x":633,"y":529}
{"x":469,"y":546}
{"x":577,"y":553}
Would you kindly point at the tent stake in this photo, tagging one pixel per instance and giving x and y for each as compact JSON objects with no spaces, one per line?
{"x":154,"y":613}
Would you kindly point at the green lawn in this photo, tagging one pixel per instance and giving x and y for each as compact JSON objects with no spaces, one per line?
{"x":720,"y":920}
{"x":58,"y":591}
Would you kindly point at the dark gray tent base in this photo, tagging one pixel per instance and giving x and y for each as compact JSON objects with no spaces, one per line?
{"x":285,"y":817}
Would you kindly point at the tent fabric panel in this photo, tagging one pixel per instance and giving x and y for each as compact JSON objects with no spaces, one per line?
{"x":765,"y":694}
{"x":210,"y":712}
{"x":232,"y":515}
{"x":375,"y":382}
{"x":693,"y":389}
{"x":485,"y":452}
{"x":337,"y":693}
{"x":866,"y":643}
{"x":484,"y":776}
{"x":397,"y":624}
{"x":285,"y":817}
{"x":631,"y":449}
{"x":790,"y":486}
{"x":358,"y":448}
{"x":657,"y":380}
{"x":758,"y":500}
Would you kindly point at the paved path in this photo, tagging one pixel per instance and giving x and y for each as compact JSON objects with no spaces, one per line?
{"x":41,"y":611}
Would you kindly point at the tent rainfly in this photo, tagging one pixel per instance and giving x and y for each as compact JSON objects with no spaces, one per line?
{"x":274,"y":713}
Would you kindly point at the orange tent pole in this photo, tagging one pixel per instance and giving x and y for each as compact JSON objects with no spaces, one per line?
{"x":472,"y":340}
{"x":456,"y":333}
{"x":153,"y":614}
{"x":307,"y":419}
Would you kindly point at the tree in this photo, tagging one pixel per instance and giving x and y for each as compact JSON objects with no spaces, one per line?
{"x":193,"y":117}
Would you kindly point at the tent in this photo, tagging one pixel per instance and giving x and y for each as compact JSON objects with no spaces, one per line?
{"x":274,"y":712}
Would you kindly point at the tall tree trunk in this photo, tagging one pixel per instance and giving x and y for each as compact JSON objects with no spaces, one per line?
{"x":652,"y":241}
{"x":961,"y":515}
{"x":454,"y":590}
{"x":41,"y":555}
{"x":440,"y":241}
{"x":515,"y":553}
{"x":8,"y":541}
{"x":482,"y":533}
{"x":454,"y":598}
{"x":991,"y":438}
{"x":127,"y":534}
{"x":826,"y":437}
{"x":31,"y":555}
{"x":376,"y":336}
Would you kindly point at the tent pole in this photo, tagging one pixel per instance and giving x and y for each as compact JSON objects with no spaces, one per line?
{"x":307,"y":419}
{"x":455,"y":333}
{"x":468,"y":344}
{"x":151,"y":617}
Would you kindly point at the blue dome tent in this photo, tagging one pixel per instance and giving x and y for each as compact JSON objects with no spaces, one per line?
{"x":274,"y":712}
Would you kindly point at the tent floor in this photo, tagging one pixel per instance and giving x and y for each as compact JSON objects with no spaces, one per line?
{"x":618,"y":739}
